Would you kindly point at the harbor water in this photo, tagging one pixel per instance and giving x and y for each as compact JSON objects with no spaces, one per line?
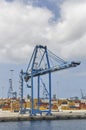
{"x":45,"y":125}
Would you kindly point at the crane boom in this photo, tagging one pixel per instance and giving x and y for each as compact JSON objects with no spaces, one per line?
{"x":53,"y":69}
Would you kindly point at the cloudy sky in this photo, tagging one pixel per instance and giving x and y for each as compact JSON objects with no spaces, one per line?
{"x":61,"y":25}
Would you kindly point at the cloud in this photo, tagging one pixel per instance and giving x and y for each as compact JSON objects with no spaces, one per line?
{"x":22,"y":26}
{"x":69,"y":32}
{"x":72,"y":26}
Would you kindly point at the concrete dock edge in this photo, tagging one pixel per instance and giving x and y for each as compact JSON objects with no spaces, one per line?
{"x":36,"y":118}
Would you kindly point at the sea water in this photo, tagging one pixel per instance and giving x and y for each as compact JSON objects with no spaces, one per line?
{"x":45,"y":125}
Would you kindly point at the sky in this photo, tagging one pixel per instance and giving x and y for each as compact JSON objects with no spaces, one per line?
{"x":58,"y":24}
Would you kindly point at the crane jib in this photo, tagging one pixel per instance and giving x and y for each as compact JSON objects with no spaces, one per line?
{"x":53,"y":69}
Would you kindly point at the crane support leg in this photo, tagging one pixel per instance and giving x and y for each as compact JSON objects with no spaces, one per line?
{"x":49,"y":93}
{"x":38,"y":92}
{"x":21,"y":92}
{"x":32,"y":98}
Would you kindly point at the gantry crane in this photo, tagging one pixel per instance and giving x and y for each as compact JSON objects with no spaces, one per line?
{"x":82,"y":95}
{"x":45,"y":93}
{"x":43,"y":62}
{"x":11,"y":93}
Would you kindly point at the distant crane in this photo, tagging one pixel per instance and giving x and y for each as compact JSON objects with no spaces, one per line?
{"x":82,"y":95}
{"x":45,"y":91}
{"x":11,"y":93}
{"x":43,"y":62}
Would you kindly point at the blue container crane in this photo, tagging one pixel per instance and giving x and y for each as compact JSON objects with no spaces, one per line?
{"x":43,"y":62}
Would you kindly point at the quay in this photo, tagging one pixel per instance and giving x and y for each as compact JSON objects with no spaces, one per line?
{"x":65,"y":115}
